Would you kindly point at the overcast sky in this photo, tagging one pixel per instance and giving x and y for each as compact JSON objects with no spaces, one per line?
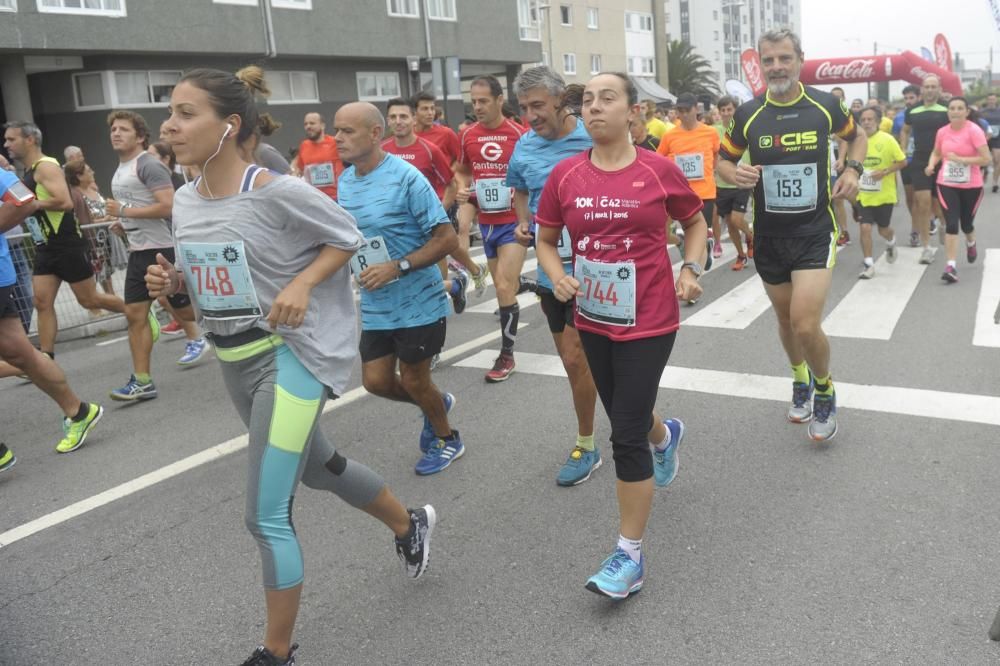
{"x":853,"y":27}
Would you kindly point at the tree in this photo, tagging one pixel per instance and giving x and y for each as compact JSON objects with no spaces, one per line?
{"x":689,"y":72}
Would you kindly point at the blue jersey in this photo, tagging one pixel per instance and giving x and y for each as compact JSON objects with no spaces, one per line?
{"x":532,"y":162}
{"x":8,"y":275}
{"x":396,"y":202}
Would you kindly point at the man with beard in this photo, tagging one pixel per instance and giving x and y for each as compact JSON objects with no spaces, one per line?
{"x":318,"y":160}
{"x":787,"y":132}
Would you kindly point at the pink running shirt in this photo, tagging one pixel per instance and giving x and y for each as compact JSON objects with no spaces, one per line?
{"x":964,"y":143}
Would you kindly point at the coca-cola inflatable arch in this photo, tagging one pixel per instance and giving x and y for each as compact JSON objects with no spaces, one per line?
{"x":907,"y":66}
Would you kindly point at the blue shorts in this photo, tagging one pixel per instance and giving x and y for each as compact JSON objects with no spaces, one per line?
{"x":495,"y":235}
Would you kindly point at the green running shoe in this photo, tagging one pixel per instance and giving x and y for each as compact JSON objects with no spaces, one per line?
{"x":76,"y":431}
{"x":7,"y":458}
{"x":154,"y":325}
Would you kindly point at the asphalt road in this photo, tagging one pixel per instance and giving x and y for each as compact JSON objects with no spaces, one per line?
{"x":878,"y":548}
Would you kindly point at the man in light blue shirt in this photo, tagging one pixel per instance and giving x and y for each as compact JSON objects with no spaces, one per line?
{"x":556,"y":133}
{"x":403,"y":304}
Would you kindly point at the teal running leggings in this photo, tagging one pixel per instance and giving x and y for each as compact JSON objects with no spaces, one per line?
{"x":280,"y":402}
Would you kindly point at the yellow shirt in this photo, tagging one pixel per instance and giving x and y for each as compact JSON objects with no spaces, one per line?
{"x":656,"y":127}
{"x":885,"y":125}
{"x":883,"y":152}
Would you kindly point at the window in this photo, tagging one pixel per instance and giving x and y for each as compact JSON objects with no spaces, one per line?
{"x":715,"y":14}
{"x":592,"y":18}
{"x":375,"y":86}
{"x":648,"y":67}
{"x":569,"y":63}
{"x":716,"y":33}
{"x":527,"y":20}
{"x":641,"y":66}
{"x":8,"y":5}
{"x":441,"y":10}
{"x":292,"y":87}
{"x":103,"y":90}
{"x":636,"y":22}
{"x":565,"y":15}
{"x":249,"y":3}
{"x":408,"y":8}
{"x":595,"y":64}
{"x":292,"y":4}
{"x":545,"y":58}
{"x":90,"y":7}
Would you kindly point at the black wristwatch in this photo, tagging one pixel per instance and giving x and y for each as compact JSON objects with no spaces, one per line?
{"x":404,"y":266}
{"x":856,"y":165}
{"x":694,"y":267}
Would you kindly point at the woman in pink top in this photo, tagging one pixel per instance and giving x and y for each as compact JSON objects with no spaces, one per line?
{"x":614,"y":201}
{"x":962,"y":147}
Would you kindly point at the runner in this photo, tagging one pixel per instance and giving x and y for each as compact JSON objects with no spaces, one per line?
{"x":654,"y":126}
{"x":627,"y":313}
{"x":795,"y":233}
{"x":16,"y":204}
{"x":143,"y":198}
{"x":922,"y":123}
{"x":961,"y":146}
{"x":990,"y":112}
{"x":60,"y":248}
{"x":264,"y":257}
{"x":436,"y":168}
{"x":555,"y":135}
{"x":877,"y":189}
{"x":486,"y":150}
{"x":731,"y":202}
{"x":641,"y":138}
{"x":403,"y":309}
{"x":318,"y":160}
{"x":693,"y":146}
{"x":911,"y":95}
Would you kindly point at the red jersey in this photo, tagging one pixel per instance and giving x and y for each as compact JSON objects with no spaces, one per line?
{"x":487,"y":153}
{"x":320,"y":164}
{"x":428,"y":159}
{"x":444,"y":138}
{"x":617,"y":224}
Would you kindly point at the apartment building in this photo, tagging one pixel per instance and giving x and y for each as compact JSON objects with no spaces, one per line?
{"x":583,"y":37}
{"x":720,"y":30}
{"x":66,"y":63}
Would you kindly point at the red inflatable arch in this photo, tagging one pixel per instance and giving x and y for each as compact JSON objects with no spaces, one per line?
{"x":906,"y":66}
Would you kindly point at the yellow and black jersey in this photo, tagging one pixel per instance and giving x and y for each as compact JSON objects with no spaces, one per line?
{"x":52,"y":228}
{"x":791,"y":141}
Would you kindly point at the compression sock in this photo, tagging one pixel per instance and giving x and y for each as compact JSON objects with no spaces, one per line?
{"x":508,"y":327}
{"x":800,"y":373}
{"x":824,"y":386}
{"x":631,"y":546}
{"x":143,"y":377}
{"x":585,"y":442}
{"x":81,"y":414}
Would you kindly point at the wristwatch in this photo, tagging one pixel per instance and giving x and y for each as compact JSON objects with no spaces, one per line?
{"x":404,"y":266}
{"x":694,"y":266}
{"x":856,"y":165}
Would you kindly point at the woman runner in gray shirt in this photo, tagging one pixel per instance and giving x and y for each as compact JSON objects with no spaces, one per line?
{"x":264,"y":259}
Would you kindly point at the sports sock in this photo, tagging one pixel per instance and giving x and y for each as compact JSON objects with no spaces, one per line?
{"x":81,"y":414}
{"x":51,"y":355}
{"x":953,"y":264}
{"x":661,"y":446}
{"x":800,"y":373}
{"x":969,"y":243}
{"x":508,"y":327}
{"x":869,"y":261}
{"x":632,"y":547}
{"x":585,"y":442}
{"x":891,"y":241}
{"x":824,"y":385}
{"x":143,"y":377}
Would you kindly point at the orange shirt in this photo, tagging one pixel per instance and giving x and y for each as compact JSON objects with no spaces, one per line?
{"x":694,"y":152}
{"x":320,"y":164}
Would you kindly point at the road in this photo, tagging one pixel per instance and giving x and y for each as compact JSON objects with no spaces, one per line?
{"x":878,"y":548}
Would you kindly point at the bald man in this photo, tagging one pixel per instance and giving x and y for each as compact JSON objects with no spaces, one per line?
{"x":318,"y":160}
{"x":403,"y":308}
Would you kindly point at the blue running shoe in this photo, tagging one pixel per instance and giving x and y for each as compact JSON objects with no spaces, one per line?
{"x":578,"y":467}
{"x":801,"y":410}
{"x":824,"y":423}
{"x":193,"y":351}
{"x":134,"y":391}
{"x":427,"y":435}
{"x":442,"y":453}
{"x":665,"y":462}
{"x":619,"y":577}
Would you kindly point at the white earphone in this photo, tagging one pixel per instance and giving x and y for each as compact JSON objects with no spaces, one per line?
{"x":229,"y":128}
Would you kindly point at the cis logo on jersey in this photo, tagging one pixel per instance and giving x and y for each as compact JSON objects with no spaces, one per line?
{"x":791,"y":141}
{"x":491,"y":151}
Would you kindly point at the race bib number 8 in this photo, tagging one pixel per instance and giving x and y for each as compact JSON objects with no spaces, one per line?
{"x":321,"y":175}
{"x":371,"y":253}
{"x":493,"y":195}
{"x":218,"y":279}
{"x":608,"y":291}
{"x":868,"y":183}
{"x":790,"y":188}
{"x":954,"y":173}
{"x":692,"y":165}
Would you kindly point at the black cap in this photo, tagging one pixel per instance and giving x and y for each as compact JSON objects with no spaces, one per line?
{"x":686,"y":101}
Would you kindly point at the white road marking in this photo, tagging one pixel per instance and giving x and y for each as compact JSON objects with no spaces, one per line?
{"x":967,"y":407}
{"x":525,"y":300}
{"x":987,"y":332}
{"x":111,"y":341}
{"x":737,"y":308}
{"x":872,"y":308}
{"x":193,"y":461}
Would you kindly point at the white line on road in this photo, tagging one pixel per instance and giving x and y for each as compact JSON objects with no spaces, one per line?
{"x":191,"y":462}
{"x":987,"y":332}
{"x":111,"y":341}
{"x":888,"y":399}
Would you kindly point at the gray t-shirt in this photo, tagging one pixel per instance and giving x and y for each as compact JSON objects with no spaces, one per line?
{"x":270,"y":235}
{"x":134,"y":182}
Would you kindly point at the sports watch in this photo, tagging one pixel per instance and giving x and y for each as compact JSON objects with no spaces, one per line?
{"x":856,"y":165}
{"x":404,"y":266}
{"x":694,"y":266}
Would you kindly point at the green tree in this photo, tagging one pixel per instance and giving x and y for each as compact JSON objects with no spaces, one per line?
{"x":689,"y":72}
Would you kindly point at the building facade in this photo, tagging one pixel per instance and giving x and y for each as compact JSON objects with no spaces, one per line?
{"x":720,"y":30}
{"x":66,"y":63}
